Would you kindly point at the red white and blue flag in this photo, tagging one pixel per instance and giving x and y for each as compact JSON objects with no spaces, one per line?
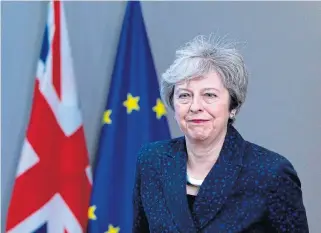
{"x":53,"y":180}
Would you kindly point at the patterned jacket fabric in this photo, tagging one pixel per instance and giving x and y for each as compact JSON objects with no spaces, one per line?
{"x":249,"y":189}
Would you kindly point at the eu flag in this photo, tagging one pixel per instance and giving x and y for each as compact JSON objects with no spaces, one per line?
{"x":134,"y":115}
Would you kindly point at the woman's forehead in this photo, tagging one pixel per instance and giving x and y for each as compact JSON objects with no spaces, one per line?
{"x":211,"y":80}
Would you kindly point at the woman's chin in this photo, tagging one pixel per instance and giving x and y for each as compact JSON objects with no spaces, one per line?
{"x":198,"y":136}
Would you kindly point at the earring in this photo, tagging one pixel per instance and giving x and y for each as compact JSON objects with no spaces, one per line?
{"x":232,"y":115}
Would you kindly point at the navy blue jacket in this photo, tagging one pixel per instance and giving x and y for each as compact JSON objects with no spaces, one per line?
{"x":249,"y":189}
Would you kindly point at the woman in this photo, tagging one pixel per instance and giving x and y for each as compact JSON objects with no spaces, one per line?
{"x":212,"y":180}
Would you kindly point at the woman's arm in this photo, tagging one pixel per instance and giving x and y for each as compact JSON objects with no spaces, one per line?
{"x":140,"y":224}
{"x":286,"y":212}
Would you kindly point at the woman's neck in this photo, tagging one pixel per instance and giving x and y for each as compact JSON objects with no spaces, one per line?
{"x":202,"y":155}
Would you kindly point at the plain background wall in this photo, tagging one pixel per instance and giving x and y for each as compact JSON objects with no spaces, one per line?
{"x":281,"y":43}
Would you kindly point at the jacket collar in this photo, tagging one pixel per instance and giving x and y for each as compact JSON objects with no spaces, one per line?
{"x":233,"y":142}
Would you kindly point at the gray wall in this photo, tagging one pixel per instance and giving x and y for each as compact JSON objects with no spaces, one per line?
{"x":282,"y":49}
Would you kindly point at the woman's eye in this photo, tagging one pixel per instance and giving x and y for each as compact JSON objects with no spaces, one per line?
{"x":184,"y":95}
{"x":211,"y":95}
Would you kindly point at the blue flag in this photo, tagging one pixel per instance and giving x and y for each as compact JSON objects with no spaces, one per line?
{"x":134,"y":115}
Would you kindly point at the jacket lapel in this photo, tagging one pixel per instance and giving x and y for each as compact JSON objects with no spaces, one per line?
{"x":218,"y":183}
{"x":175,"y":186}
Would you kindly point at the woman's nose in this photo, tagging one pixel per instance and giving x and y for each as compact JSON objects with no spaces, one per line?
{"x":196,"y":105}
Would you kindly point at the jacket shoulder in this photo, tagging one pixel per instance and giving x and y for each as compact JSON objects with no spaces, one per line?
{"x":261,"y":157}
{"x":157,"y":149}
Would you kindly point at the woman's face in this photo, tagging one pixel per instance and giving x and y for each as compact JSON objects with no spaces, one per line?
{"x":202,"y":107}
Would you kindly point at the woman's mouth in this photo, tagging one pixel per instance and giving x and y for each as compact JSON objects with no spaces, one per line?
{"x":198,"y":121}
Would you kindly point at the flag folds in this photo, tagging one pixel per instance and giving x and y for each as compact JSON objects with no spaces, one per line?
{"x":53,"y":181}
{"x":134,"y":115}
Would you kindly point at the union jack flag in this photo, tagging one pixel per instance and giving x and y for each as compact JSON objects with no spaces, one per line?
{"x":53,"y":180}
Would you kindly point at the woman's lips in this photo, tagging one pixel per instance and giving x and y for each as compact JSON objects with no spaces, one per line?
{"x":198,"y":121}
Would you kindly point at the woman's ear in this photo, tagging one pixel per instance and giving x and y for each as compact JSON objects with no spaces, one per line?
{"x":232,"y":114}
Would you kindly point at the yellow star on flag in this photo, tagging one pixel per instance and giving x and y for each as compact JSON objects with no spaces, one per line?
{"x":112,"y":229}
{"x":131,"y":103}
{"x":91,"y":212}
{"x":160,"y":109}
{"x":106,"y":117}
